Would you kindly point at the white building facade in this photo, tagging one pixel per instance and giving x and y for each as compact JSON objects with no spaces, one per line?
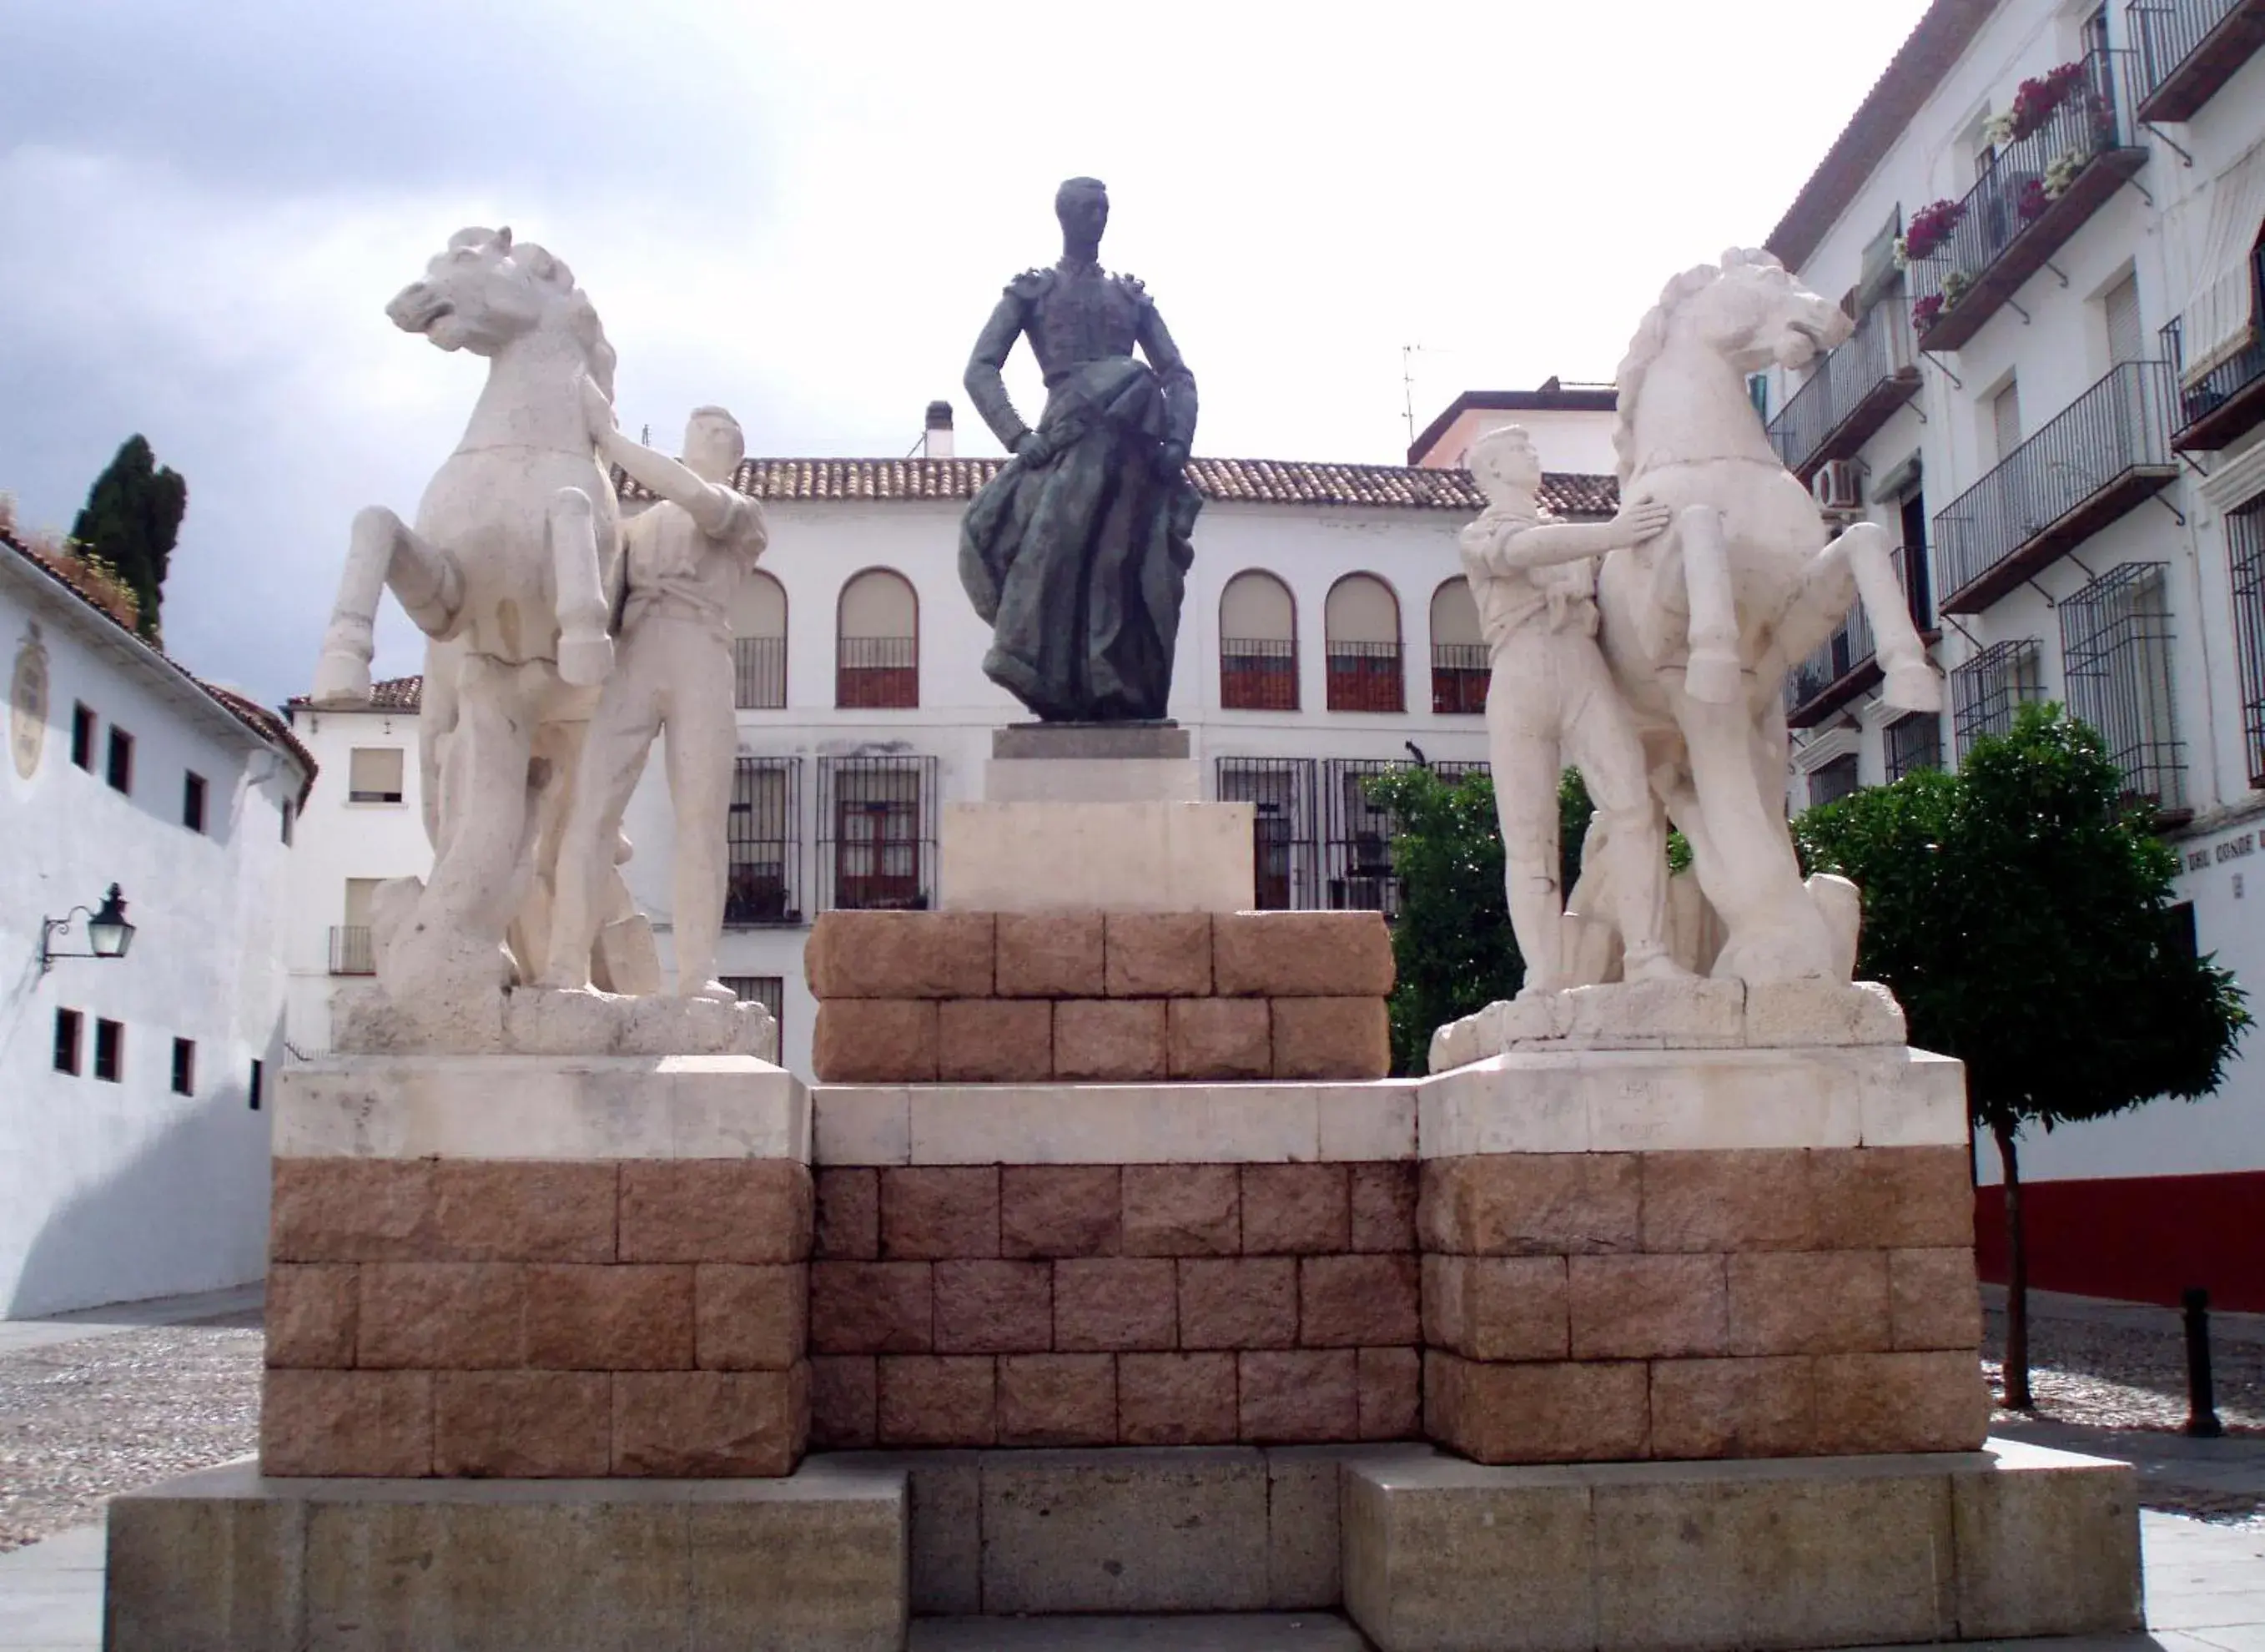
{"x":133,"y":1133}
{"x":2059,"y":408}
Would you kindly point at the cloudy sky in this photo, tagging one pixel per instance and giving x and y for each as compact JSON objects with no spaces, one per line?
{"x":805,"y":213}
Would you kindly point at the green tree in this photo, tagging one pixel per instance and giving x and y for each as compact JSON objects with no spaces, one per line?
{"x":132,"y":519}
{"x":2021,"y":910}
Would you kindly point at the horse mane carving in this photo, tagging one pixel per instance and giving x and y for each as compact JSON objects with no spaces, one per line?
{"x":1651,"y":339}
{"x":547,"y":270}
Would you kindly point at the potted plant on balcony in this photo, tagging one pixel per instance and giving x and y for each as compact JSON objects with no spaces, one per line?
{"x":1925,"y":312}
{"x":1930,"y":227}
{"x":2062,"y":173}
{"x":2032,"y":198}
{"x":2036,"y":99}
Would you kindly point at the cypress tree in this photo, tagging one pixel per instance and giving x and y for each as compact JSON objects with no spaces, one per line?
{"x":132,"y":519}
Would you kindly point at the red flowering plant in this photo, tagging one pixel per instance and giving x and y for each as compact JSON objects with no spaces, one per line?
{"x":1930,"y":227}
{"x":1924,"y":311}
{"x":2031,"y":198}
{"x":2036,"y":98}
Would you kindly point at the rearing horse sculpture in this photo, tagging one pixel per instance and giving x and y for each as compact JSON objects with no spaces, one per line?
{"x":505,"y":572}
{"x":1701,"y":624}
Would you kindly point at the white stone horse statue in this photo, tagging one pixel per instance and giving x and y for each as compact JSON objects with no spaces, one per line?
{"x":1701,"y":624}
{"x":505,"y":570}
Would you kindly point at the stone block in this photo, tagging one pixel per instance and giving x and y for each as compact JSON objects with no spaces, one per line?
{"x":1300,"y":1396}
{"x":1095,"y":780}
{"x":1443,"y":1556}
{"x":853,"y":1124}
{"x":1496,"y":1307}
{"x":750,"y":1317}
{"x":926,"y":1400}
{"x":1573,"y":1412}
{"x":1183,"y":1210}
{"x":1218,"y":1038}
{"x":1129,"y":856}
{"x":311,"y":1311}
{"x":1109,"y":1304}
{"x":1454,"y":1045}
{"x":1901,"y":1402}
{"x":523,"y":1424}
{"x":946,"y":1489}
{"x":995,"y":1040}
{"x":1725,"y":1199}
{"x":1391,"y":1393}
{"x":1383,"y":1206}
{"x":1330,"y":1037}
{"x":871,"y":1308}
{"x":209,"y":1562}
{"x":1934,"y":1300}
{"x":994,"y":1307}
{"x":1125,"y":1531}
{"x":1733,"y":1407}
{"x":1796,"y":1014}
{"x":1109,"y":1040}
{"x":929,"y":1212}
{"x":346,"y":1423}
{"x":1158,"y":955}
{"x":1158,"y":1123}
{"x":1358,"y":1301}
{"x":1051,"y":1211}
{"x":714,"y":1210}
{"x":1808,"y":1302}
{"x":875,"y":1041}
{"x":1302,"y":1528}
{"x":1050,"y":955}
{"x":1302,"y":955}
{"x":1373,"y":1120}
{"x":1647,"y":1307}
{"x":1531,"y":1203}
{"x":1675,"y":1014}
{"x":1295,"y":1209}
{"x":1175,"y":1398}
{"x":442,"y":1316}
{"x":622,"y":1317}
{"x":1892,"y":1199}
{"x":848,"y":1213}
{"x":490,"y":1211}
{"x":1238,"y":1302}
{"x":703,"y":1424}
{"x":1057,"y":1399}
{"x":899,"y":955}
{"x":845,"y":1399}
{"x":351,"y":1210}
{"x":2047,"y":1544}
{"x":1090,"y":742}
{"x":818,"y":1564}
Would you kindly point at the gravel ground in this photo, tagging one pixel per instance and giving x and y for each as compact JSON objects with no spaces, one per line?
{"x":81,"y":1421}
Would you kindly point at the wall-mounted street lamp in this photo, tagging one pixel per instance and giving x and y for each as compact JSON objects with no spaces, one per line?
{"x":108,"y":934}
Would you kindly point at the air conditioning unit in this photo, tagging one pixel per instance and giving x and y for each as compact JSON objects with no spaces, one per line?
{"x":1838,"y":485}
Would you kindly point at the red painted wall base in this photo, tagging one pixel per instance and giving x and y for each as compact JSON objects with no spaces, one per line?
{"x":2141,"y":1239}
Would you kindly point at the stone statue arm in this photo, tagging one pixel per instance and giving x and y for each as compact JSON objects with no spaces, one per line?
{"x":986,"y":386}
{"x":1543,"y":544}
{"x":1179,"y":384}
{"x":717,"y":508}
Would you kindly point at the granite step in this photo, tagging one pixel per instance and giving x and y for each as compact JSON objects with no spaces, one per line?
{"x":1226,"y":1631}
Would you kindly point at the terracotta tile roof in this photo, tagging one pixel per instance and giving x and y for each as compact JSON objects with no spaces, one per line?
{"x":1230,"y":481}
{"x":268,"y":727}
{"x":388,"y":694}
{"x":1918,"y":66}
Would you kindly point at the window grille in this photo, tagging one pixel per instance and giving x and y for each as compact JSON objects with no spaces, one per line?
{"x":1357,"y":846}
{"x":119,"y":769}
{"x":1913,"y":742}
{"x":109,"y":1050}
{"x":763,"y":836}
{"x":1282,"y":839}
{"x":69,"y":1039}
{"x":1829,"y":782}
{"x":351,"y":952}
{"x":1460,"y":674}
{"x":759,"y":672}
{"x":1365,"y":677}
{"x":877,"y":674}
{"x":185,"y":1067}
{"x":1455,"y":773}
{"x":1258,"y":674}
{"x":1990,"y":688}
{"x":877,"y":833}
{"x":2115,"y":652}
{"x":82,"y":737}
{"x":193,"y":801}
{"x":2245,"y":545}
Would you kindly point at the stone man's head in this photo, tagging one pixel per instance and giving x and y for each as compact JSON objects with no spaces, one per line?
{"x":1504,"y":464}
{"x":713,"y":444}
{"x":1083,"y":206}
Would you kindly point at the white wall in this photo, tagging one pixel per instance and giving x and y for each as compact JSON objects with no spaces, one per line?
{"x":117,"y":1191}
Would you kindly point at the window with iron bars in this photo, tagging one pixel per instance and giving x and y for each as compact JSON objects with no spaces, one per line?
{"x":764,"y":876}
{"x":1829,"y":782}
{"x":877,"y":833}
{"x":1365,"y":677}
{"x":1282,"y":838}
{"x":759,"y":672}
{"x":1357,"y":848}
{"x":1460,"y":674}
{"x":2245,"y":545}
{"x":769,"y":991}
{"x":1258,"y":674}
{"x":1913,"y":742}
{"x":1454,"y":773}
{"x":1989,"y":689}
{"x":2116,"y":643}
{"x":877,"y":674}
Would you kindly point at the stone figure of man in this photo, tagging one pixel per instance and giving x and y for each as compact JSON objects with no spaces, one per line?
{"x":682,"y":560}
{"x":1551,"y":701}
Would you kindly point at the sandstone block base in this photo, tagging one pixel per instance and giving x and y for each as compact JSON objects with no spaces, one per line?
{"x":226,"y":1561}
{"x":1118,"y":856}
{"x":2012,"y":1540}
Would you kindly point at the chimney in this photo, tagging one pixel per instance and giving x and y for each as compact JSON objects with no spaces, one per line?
{"x":936,"y":443}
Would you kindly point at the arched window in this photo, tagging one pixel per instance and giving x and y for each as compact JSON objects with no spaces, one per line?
{"x":1258,"y":644}
{"x":877,"y":645}
{"x":1459,"y":650}
{"x":1361,"y":622}
{"x":759,"y":644}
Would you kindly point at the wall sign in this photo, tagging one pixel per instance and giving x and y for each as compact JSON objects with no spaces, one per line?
{"x":27,"y":702}
{"x":2233,"y":848}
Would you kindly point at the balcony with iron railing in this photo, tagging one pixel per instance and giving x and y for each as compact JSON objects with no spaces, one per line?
{"x":1461,"y":673}
{"x":1365,"y":677}
{"x":1847,"y":664}
{"x":2228,"y":402}
{"x":1258,"y":674}
{"x":351,"y":951}
{"x":759,"y":672}
{"x":1852,"y":392}
{"x":873,"y":673}
{"x":2099,"y":458}
{"x":2036,"y":193}
{"x":2183,"y":51}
